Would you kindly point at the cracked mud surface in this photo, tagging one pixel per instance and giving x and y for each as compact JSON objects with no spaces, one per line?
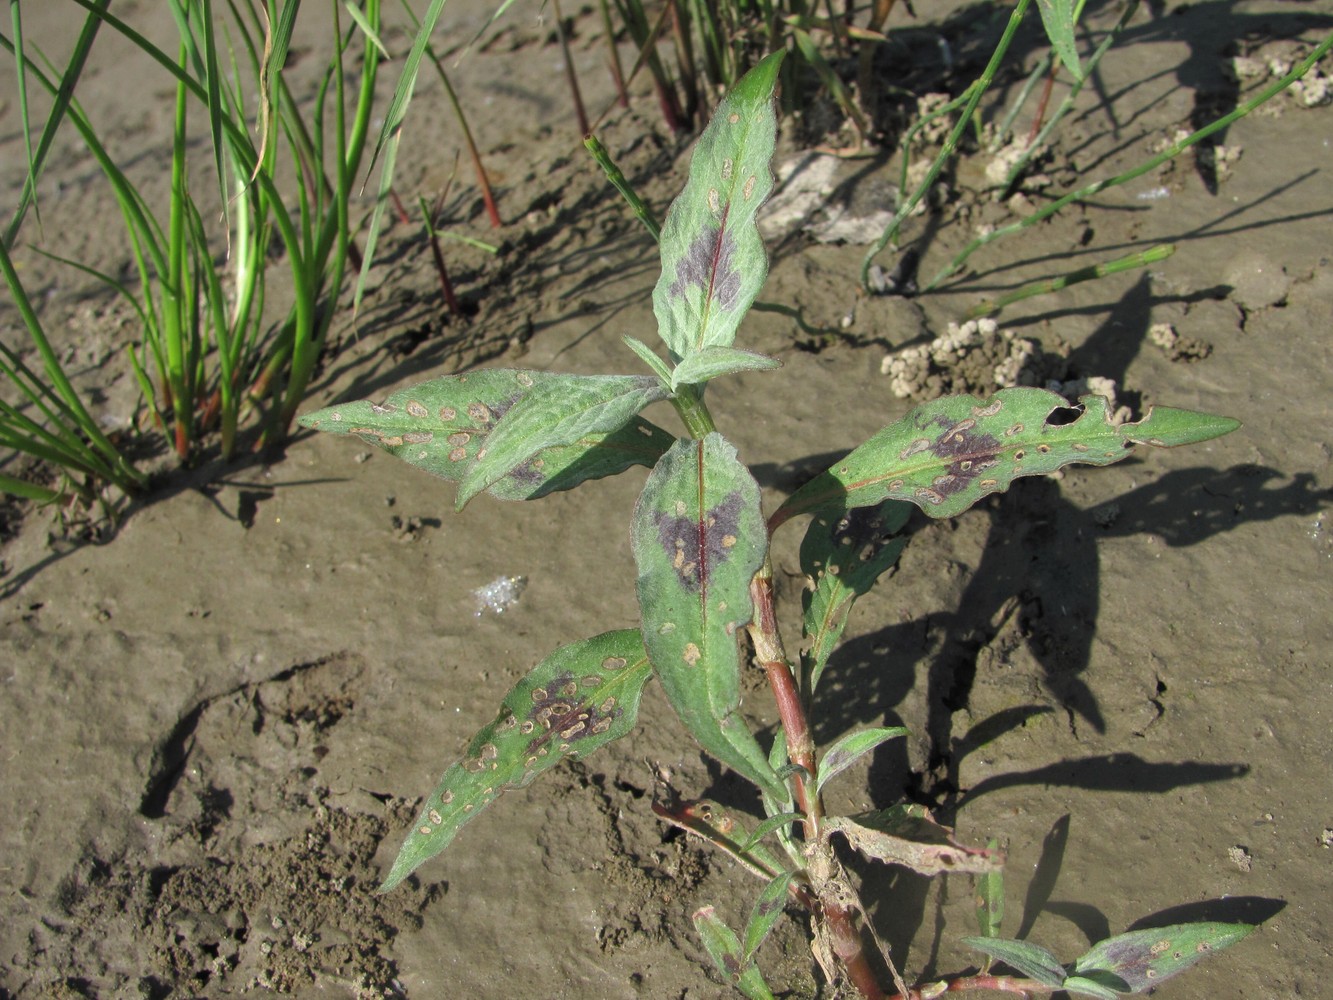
{"x":216,"y":718}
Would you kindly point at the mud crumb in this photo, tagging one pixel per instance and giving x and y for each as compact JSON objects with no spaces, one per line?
{"x":1176,"y":347}
{"x":975,"y":357}
{"x":1241,"y":857}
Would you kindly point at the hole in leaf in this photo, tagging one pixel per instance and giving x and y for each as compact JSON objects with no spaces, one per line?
{"x":1062,"y":415}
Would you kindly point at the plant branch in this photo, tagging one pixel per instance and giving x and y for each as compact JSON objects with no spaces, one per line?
{"x":969,"y":984}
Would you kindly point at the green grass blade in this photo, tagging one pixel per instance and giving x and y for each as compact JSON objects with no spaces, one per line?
{"x":442,"y":425}
{"x":713,"y":261}
{"x":698,"y":538}
{"x":947,"y":454}
{"x":63,"y":94}
{"x":390,"y":135}
{"x":31,"y":491}
{"x":577,"y":700}
{"x":21,"y":81}
{"x":117,"y":469}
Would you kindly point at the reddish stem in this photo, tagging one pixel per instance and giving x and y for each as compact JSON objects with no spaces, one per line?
{"x":968,"y":984}
{"x":1045,"y":100}
{"x":445,"y":284}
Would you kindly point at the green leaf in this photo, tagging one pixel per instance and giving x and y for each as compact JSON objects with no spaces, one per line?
{"x":649,"y":358}
{"x":1057,"y":17}
{"x":851,"y":748}
{"x":557,"y":411}
{"x":441,"y":425}
{"x":1144,"y":959}
{"x":990,"y":898}
{"x":713,"y":261}
{"x":947,"y":454}
{"x":580,"y":698}
{"x":878,"y":836}
{"x":1093,"y":988}
{"x":699,"y":537}
{"x":771,"y":825}
{"x":1032,"y":960}
{"x":766,"y":912}
{"x":714,"y":361}
{"x":844,"y":554}
{"x":725,"y":949}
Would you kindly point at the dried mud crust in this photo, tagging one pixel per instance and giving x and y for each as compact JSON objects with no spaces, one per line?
{"x":249,"y":880}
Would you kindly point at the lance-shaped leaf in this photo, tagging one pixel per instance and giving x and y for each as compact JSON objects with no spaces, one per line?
{"x":699,"y":538}
{"x":907,"y":836}
{"x":947,"y":454}
{"x":558,"y":411}
{"x":1032,"y":960}
{"x":725,"y":949}
{"x":1057,"y":17}
{"x":441,"y":426}
{"x":844,"y":554}
{"x":990,"y":898}
{"x":766,"y":912}
{"x":1138,"y":961}
{"x":575,"y":701}
{"x":848,"y":750}
{"x":712,"y":362}
{"x":713,"y":262}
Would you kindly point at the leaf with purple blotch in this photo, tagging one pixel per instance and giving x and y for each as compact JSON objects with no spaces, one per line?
{"x":699,"y":537}
{"x":947,"y":454}
{"x":580,"y":698}
{"x":848,"y":750}
{"x":1140,"y":960}
{"x":558,"y":411}
{"x":713,"y":261}
{"x":441,"y":426}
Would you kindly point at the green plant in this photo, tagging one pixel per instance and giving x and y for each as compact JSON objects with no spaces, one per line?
{"x":206,"y":338}
{"x":701,"y":544}
{"x":49,"y":421}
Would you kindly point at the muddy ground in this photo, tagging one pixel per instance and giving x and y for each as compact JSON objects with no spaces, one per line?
{"x":219,"y":712}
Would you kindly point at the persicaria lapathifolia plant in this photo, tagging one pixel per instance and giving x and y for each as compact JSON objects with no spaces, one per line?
{"x":701,"y":544}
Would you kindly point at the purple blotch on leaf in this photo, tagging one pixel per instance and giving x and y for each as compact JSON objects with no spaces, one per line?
{"x":695,"y":545}
{"x":971,"y":453}
{"x":708,"y":264}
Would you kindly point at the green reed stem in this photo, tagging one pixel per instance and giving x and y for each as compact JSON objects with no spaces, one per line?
{"x":1143,"y":258}
{"x":1174,"y":150}
{"x":617,"y":178}
{"x":974,"y":94}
